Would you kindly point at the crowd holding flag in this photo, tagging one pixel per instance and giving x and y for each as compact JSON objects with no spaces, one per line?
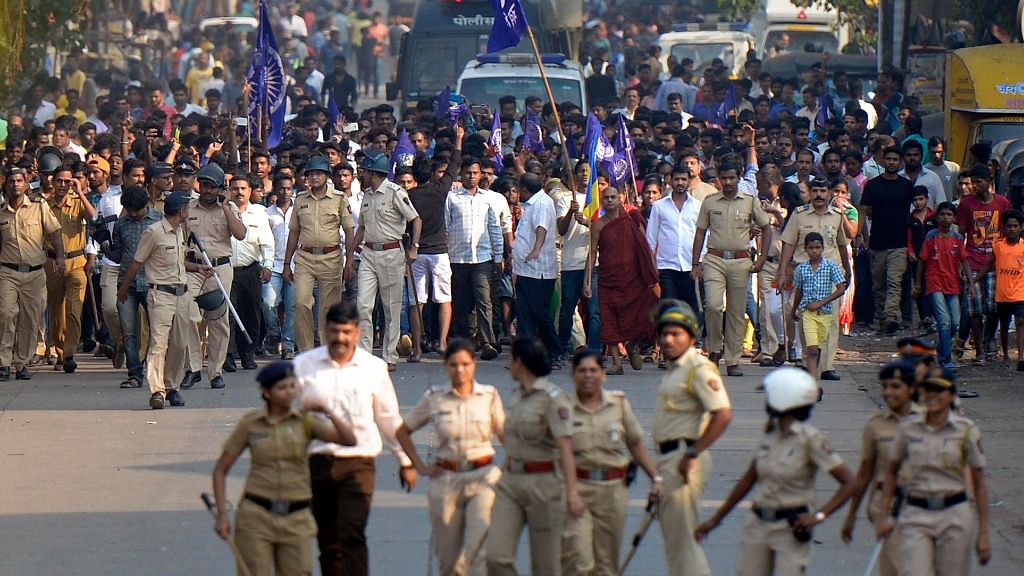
{"x":532,"y":133}
{"x":494,"y":141}
{"x":266,"y":82}
{"x":625,"y":149}
{"x":599,"y":153}
{"x":728,"y":105}
{"x":824,"y":111}
{"x":403,"y":155}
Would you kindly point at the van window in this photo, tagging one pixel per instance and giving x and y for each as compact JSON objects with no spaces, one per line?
{"x":489,"y":90}
{"x":801,"y":40}
{"x":436,"y":61}
{"x":999,"y":131}
{"x":703,"y":54}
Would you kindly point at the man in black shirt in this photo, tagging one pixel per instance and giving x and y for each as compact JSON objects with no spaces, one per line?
{"x":432,"y":263}
{"x":886,"y":200}
{"x":341,"y":84}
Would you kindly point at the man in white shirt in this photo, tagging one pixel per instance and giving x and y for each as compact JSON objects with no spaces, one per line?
{"x":574,"y":228}
{"x":534,"y":263}
{"x":107,"y":211}
{"x":670,"y":232}
{"x":252,"y":258}
{"x":355,"y":385}
{"x":277,"y":291}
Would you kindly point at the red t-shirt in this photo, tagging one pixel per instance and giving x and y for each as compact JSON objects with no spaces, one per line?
{"x":979,"y":223}
{"x":942,"y":256}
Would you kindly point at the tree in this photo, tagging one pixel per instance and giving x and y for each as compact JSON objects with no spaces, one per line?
{"x":736,"y":10}
{"x":27,"y":30}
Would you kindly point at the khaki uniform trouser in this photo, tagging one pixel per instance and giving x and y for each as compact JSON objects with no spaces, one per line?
{"x":108,"y":302}
{"x":887,"y":269}
{"x":679,"y":513}
{"x":534,"y":500}
{"x":274,"y":545}
{"x":381,"y":271}
{"x":590,"y":543}
{"x":889,"y":559}
{"x":771,"y":544}
{"x":324,"y":271}
{"x":218,"y":323}
{"x":168,"y":326}
{"x":22,"y":299}
{"x":725,"y":288}
{"x":460,"y":506}
{"x":64,"y":297}
{"x":936,"y":542}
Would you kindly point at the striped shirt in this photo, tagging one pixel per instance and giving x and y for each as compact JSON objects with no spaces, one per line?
{"x":818,"y":284}
{"x":474,"y":232}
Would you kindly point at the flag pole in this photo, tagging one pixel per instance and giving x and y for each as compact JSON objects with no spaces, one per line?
{"x":248,"y":128}
{"x":554,"y":107}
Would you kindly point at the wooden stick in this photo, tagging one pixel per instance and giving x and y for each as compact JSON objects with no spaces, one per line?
{"x":554,"y":107}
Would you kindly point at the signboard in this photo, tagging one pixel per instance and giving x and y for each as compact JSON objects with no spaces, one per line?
{"x":926,"y":78}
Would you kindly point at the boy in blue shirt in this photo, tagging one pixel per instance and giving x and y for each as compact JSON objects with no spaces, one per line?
{"x":817,"y":283}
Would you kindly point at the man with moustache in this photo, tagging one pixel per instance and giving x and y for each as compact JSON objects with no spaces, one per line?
{"x":252,"y":259}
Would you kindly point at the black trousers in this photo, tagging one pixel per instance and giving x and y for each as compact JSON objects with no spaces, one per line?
{"x":533,"y":311}
{"x":342,"y":493}
{"x":247,"y":297}
{"x":471,"y":292}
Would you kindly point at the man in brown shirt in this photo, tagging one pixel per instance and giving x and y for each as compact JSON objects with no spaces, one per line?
{"x":66,"y":292}
{"x":23,"y":225}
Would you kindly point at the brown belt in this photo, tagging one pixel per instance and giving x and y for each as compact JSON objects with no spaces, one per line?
{"x":380,"y":246}
{"x":530,"y":467}
{"x":319,"y":250}
{"x":465,"y":466}
{"x":599,"y":474}
{"x":729,"y":254}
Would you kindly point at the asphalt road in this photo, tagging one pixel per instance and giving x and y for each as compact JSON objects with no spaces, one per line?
{"x":94,"y":482}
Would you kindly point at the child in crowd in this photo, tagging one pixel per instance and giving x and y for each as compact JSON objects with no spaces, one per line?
{"x":1007,"y":260}
{"x":817,"y":283}
{"x":920,"y":222}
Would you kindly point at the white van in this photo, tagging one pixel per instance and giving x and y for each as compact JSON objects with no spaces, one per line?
{"x":702,"y":43}
{"x":806,"y":28}
{"x":488,"y":77}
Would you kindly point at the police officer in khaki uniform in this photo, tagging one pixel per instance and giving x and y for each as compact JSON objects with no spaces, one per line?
{"x":822,"y":217}
{"x":385,"y":212}
{"x":319,"y":216}
{"x":531,"y":491}
{"x":769,"y":308}
{"x":214,"y":221}
{"x":606,"y":435}
{"x":274,"y":525}
{"x":936,"y":522}
{"x":24,"y":226}
{"x":729,"y":217}
{"x":162,"y":251}
{"x":465,"y":416}
{"x":692,"y":412}
{"x":899,"y":391}
{"x":65,"y":291}
{"x":777,"y":537}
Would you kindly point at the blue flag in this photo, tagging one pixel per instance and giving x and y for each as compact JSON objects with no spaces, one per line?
{"x":442,"y":103}
{"x":824,"y":111}
{"x":266,"y":77}
{"x":533,"y":136}
{"x":403,"y":155}
{"x":509,"y":25}
{"x":332,"y":109}
{"x":495,"y":142}
{"x":599,"y":153}
{"x":625,"y":147}
{"x":721,"y":117}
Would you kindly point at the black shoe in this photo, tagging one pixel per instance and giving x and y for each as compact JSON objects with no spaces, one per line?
{"x":174,"y":398}
{"x":70,"y":365}
{"x":217,"y":383}
{"x":967,"y":394}
{"x":892,"y":328}
{"x":249,"y":363}
{"x":488,"y":352}
{"x":88,"y":346}
{"x":287,"y":355}
{"x":229,"y":365}
{"x":830,"y":375}
{"x":821,"y":394}
{"x":5,"y":374}
{"x":190,"y":380}
{"x":23,"y":374}
{"x":156,"y":401}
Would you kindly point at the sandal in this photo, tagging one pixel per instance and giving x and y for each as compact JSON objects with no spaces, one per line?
{"x":615,"y":371}
{"x":414,"y":359}
{"x":131,"y":383}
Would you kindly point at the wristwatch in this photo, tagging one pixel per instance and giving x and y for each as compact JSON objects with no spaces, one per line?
{"x":819,"y":516}
{"x":691,"y":452}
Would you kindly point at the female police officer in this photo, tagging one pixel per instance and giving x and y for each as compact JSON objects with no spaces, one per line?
{"x":274,"y":524}
{"x":784,"y":467}
{"x":936,"y":520}
{"x":465,"y":416}
{"x":605,"y":434}
{"x":899,"y":392}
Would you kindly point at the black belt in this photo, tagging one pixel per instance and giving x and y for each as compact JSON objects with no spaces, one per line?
{"x":772,"y":259}
{"x":213,"y":261}
{"x":938,"y":502}
{"x":106,"y":219}
{"x":21,"y":267}
{"x":279,"y":507}
{"x":673,"y":445}
{"x":247,"y":266}
{"x":776,"y":514}
{"x":67,"y":255}
{"x":173,"y":289}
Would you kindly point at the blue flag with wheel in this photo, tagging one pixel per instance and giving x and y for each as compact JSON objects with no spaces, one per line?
{"x":266,"y":82}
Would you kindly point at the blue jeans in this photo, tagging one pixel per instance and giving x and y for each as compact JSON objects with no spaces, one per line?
{"x":594,"y":317}
{"x":275,"y":292}
{"x":572,"y":290}
{"x":947,"y":317}
{"x":752,"y":312}
{"x":403,"y":322}
{"x":128,"y":311}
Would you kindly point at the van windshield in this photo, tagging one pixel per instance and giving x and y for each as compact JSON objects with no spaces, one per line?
{"x":436,"y":60}
{"x":703,"y":54}
{"x":489,"y":90}
{"x":801,"y":40}
{"x":997,"y":132}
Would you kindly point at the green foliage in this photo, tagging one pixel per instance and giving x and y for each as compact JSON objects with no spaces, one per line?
{"x":737,"y":9}
{"x":58,"y":24}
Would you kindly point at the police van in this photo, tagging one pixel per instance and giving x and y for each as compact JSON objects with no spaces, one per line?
{"x":702,"y":43}
{"x":488,"y":77}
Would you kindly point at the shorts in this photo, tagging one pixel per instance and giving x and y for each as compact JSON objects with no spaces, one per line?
{"x":503,"y":287}
{"x":815,"y":326}
{"x":1007,"y":309}
{"x":985,"y":303}
{"x":439,"y":269}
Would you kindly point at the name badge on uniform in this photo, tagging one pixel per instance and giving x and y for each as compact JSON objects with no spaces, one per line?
{"x":257,"y":436}
{"x":613,"y":433}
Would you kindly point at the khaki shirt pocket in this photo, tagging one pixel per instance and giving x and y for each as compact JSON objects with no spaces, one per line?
{"x":531,"y":425}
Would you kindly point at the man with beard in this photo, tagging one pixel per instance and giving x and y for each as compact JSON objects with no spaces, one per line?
{"x":832,"y":166}
{"x":670,"y":231}
{"x":108,"y":208}
{"x":277,"y":291}
{"x":914,"y":170}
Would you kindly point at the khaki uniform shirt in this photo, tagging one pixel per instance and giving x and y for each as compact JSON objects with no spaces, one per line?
{"x":879,"y":434}
{"x":385,"y":213}
{"x":162,"y":250}
{"x":601,"y":437}
{"x":22,"y":232}
{"x":535,"y":421}
{"x":318,"y":222}
{"x":464,"y":425}
{"x":689,"y":391}
{"x":787,"y":464}
{"x":830,"y":225}
{"x":210,"y":226}
{"x":775,"y":248}
{"x":702,"y":190}
{"x":936,"y":458}
{"x":73,"y":222}
{"x":728,"y":222}
{"x":279,"y":469}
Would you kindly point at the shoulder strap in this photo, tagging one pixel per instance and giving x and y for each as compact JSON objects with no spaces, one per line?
{"x":963,"y":445}
{"x":689,"y":381}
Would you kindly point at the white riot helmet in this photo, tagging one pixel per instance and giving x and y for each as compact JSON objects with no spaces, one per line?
{"x":789,"y":388}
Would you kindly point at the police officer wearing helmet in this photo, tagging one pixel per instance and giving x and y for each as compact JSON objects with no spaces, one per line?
{"x":930,"y":454}
{"x":319,"y":215}
{"x":214,"y":221}
{"x":692,"y":412}
{"x":162,"y":251}
{"x":785,"y":464}
{"x":385,"y":212}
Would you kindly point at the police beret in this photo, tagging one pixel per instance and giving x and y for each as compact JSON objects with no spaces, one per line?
{"x":915,"y":347}
{"x":274,"y":372}
{"x":185,"y":166}
{"x":175,"y":202}
{"x":158,"y":169}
